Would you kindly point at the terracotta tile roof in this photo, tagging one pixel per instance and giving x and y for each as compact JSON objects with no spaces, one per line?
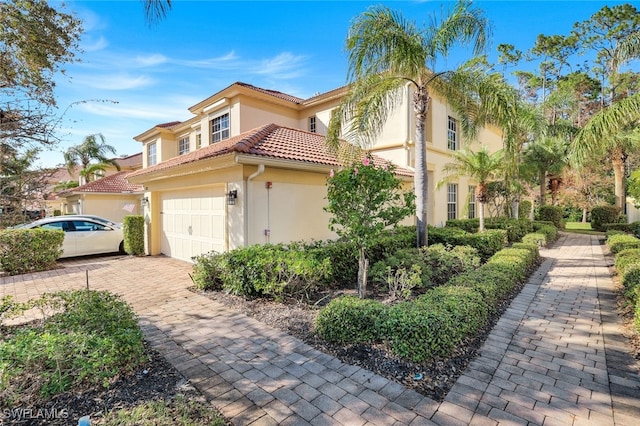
{"x":112,"y":184}
{"x":269,"y":141}
{"x":274,"y":93}
{"x":132,"y":161}
{"x":167,"y":125}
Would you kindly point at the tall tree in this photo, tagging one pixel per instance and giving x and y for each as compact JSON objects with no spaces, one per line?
{"x":386,"y":53}
{"x":546,"y":159}
{"x":36,"y":41}
{"x":610,"y":132}
{"x":93,"y":147}
{"x":482,"y":166}
{"x":156,"y":10}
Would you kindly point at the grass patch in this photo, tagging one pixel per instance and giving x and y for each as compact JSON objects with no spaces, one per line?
{"x":581,"y":228}
{"x":176,"y":411}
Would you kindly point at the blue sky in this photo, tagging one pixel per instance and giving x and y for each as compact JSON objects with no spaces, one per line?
{"x":133,"y":76}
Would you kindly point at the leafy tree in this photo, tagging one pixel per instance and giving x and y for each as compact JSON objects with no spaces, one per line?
{"x":93,"y":147}
{"x":36,"y":41}
{"x":156,"y":10}
{"x":481,"y":166}
{"x":364,"y":200}
{"x":386,"y":53}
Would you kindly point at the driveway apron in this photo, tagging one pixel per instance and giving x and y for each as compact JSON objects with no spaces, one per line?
{"x":557,"y":355}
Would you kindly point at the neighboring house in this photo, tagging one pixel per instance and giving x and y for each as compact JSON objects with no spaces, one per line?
{"x":112,"y":196}
{"x":251,"y":165}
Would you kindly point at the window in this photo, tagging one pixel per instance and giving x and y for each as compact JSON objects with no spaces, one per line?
{"x":312,"y":124}
{"x":452,"y":134}
{"x":452,"y":201}
{"x":183,"y":145}
{"x":151,"y":154}
{"x":198,"y":140}
{"x":472,"y":202}
{"x":220,"y":128}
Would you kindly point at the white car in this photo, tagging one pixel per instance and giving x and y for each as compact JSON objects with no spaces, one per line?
{"x":83,"y":235}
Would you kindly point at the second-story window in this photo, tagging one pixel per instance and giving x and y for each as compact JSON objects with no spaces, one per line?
{"x":312,"y":124}
{"x":151,"y":154}
{"x":183,"y":145}
{"x":452,"y":134}
{"x":220,"y":128}
{"x":198,"y":140}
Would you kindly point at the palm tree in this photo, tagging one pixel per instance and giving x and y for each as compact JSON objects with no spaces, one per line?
{"x":610,"y":132}
{"x":481,"y":166}
{"x":546,"y":158}
{"x":93,"y":147}
{"x":156,"y":10}
{"x":386,"y":53}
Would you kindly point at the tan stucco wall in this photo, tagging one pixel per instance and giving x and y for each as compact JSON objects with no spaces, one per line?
{"x":109,"y":206}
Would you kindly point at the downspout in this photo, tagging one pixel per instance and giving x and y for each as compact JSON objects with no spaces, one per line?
{"x":246,"y":202}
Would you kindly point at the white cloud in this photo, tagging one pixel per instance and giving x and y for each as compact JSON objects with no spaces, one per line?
{"x":157,"y":111}
{"x":150,"y":60}
{"x":286,"y":65}
{"x":114,"y":82}
{"x":93,"y":45}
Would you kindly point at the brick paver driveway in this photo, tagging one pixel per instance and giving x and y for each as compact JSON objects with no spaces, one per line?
{"x":556,"y":357}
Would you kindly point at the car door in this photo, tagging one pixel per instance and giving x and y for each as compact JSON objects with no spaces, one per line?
{"x":93,"y":237}
{"x":69,"y":242}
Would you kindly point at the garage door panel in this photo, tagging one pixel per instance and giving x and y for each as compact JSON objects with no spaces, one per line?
{"x":193,"y":222}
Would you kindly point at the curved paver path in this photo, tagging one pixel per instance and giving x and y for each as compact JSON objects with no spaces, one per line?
{"x":556,"y":356}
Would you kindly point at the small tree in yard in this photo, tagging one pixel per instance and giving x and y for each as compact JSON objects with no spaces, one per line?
{"x":364,"y":200}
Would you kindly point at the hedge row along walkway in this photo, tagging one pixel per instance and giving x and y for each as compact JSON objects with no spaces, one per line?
{"x":557,"y":356}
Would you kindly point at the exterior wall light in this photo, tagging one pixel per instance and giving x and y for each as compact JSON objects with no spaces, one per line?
{"x":232,"y":196}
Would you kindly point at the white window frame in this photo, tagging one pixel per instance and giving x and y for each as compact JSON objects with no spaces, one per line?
{"x":198,"y":140}
{"x":472,"y":201}
{"x":152,"y":157}
{"x":452,"y":201}
{"x":452,"y":133}
{"x":220,"y":128}
{"x":313,"y":124}
{"x":183,"y":145}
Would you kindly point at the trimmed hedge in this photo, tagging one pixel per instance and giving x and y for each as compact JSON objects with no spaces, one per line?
{"x":619,"y":242}
{"x":627,"y":263}
{"x":553,"y":214}
{"x":601,"y":215}
{"x":487,"y":243}
{"x":29,"y":250}
{"x":432,"y":325}
{"x":133,"y":230}
{"x":516,"y":228}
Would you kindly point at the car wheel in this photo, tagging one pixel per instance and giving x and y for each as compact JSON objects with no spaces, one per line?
{"x":121,"y":247}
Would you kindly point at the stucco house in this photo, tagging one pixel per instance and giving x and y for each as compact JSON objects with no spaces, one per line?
{"x":250,"y":166}
{"x":111,"y":196}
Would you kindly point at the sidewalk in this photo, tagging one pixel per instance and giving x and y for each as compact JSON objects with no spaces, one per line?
{"x":555,"y":357}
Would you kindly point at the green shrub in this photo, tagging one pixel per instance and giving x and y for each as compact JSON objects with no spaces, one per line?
{"x":91,"y":339}
{"x":524,"y":209}
{"x":553,"y":214}
{"x":533,"y":248}
{"x":402,"y":259}
{"x":349,"y":319}
{"x":516,"y":228}
{"x":469,"y":225}
{"x":343,"y":257}
{"x":487,"y":243}
{"x":29,"y":250}
{"x":601,"y":215}
{"x":445,"y":263}
{"x":536,"y":238}
{"x":619,"y":242}
{"x":626,"y":258}
{"x":435,"y":323}
{"x":133,"y":230}
{"x":267,"y":270}
{"x":631,"y":282}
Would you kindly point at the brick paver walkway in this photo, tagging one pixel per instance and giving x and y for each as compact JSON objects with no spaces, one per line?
{"x":556,"y":357}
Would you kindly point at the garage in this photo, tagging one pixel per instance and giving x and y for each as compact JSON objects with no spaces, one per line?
{"x":193,"y":221}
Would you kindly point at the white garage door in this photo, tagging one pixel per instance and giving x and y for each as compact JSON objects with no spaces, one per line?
{"x":193,"y":222}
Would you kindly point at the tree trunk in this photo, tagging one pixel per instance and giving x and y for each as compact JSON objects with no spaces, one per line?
{"x":421,"y":102}
{"x":363,"y":266}
{"x":618,"y":161}
{"x":481,"y":196}
{"x":543,"y":187}
{"x":481,"y":216}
